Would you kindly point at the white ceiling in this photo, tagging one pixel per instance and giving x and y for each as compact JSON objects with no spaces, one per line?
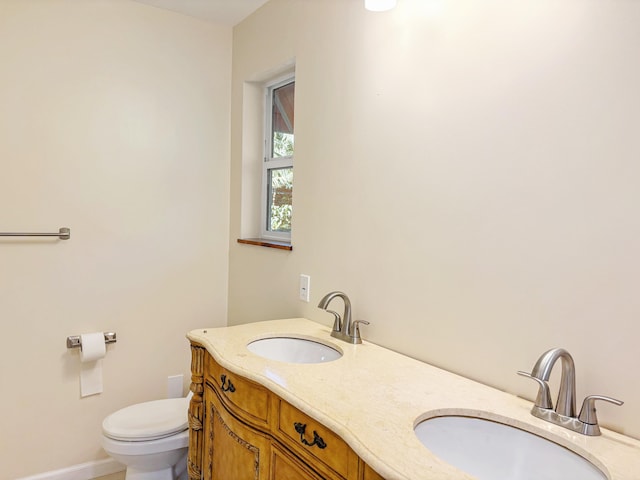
{"x":227,"y":12}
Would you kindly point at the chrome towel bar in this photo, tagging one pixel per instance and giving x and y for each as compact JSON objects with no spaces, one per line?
{"x":63,"y":234}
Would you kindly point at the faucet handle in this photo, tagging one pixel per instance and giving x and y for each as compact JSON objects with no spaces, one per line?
{"x":337,"y":322}
{"x":355,"y":329}
{"x":543,"y":400}
{"x":588,"y":410}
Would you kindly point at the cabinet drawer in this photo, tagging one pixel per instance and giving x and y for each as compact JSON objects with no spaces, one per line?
{"x":246,"y":399}
{"x":315,"y":442}
{"x":286,"y":467}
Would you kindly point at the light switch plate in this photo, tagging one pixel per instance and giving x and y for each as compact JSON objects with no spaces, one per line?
{"x":305,"y":288}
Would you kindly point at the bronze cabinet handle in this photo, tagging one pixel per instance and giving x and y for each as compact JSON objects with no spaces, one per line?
{"x":317,"y":439}
{"x":229,"y":387}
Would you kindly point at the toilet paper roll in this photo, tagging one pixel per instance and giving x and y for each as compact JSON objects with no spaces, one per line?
{"x":93,"y":350}
{"x":92,"y":346}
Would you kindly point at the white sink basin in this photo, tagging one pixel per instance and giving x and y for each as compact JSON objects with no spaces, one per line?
{"x":495,"y":451}
{"x":293,"y":350}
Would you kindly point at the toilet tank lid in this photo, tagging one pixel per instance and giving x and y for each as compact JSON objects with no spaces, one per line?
{"x":148,"y":420}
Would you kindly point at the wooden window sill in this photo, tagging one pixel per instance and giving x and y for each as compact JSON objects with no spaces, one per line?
{"x":263,"y":242}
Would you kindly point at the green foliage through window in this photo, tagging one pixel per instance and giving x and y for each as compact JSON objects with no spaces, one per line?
{"x":282,"y":144}
{"x":281,"y":199}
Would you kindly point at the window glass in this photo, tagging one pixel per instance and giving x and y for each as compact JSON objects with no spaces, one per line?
{"x":280,"y":199}
{"x":282,"y":121}
{"x":278,"y":162}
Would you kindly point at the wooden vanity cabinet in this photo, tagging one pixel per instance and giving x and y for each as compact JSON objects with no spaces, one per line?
{"x":232,"y":449}
{"x":370,"y":474}
{"x":286,"y":466}
{"x":240,"y":430}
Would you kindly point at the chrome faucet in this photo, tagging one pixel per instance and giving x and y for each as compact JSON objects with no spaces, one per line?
{"x":566,"y":403}
{"x":342,"y":326}
{"x":564,"y":413}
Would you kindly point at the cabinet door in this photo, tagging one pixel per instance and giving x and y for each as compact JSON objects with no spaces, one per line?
{"x":284,"y":466}
{"x":232,"y":449}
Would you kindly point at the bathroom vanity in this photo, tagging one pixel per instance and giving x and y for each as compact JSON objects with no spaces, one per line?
{"x":353,"y":418}
{"x":245,"y":431}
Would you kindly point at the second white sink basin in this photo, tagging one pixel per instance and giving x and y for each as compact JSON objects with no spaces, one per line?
{"x":293,"y":350}
{"x":495,"y":451}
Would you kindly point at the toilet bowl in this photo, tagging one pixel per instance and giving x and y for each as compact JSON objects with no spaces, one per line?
{"x":150,"y":438}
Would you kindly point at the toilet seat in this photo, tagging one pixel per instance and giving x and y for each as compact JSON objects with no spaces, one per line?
{"x":147,"y":421}
{"x":145,"y":447}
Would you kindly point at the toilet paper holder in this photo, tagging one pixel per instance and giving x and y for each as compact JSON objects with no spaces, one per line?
{"x":74,"y":341}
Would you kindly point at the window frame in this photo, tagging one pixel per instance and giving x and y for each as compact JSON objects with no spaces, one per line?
{"x":271,"y":163}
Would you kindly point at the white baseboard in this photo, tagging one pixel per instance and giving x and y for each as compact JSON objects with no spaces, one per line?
{"x":82,"y":471}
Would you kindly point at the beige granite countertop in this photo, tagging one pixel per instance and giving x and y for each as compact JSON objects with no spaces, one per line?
{"x":373,"y":397}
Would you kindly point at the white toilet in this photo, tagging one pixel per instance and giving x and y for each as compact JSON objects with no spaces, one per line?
{"x":150,"y":438}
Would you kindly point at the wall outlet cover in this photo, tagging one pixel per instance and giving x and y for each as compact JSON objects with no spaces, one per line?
{"x":175,"y":385}
{"x":305,"y":288}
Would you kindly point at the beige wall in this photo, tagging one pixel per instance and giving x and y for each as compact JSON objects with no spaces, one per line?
{"x":468,"y":173}
{"x":114,"y":121}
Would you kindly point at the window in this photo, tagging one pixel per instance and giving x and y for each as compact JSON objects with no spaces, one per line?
{"x":277,"y":170}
